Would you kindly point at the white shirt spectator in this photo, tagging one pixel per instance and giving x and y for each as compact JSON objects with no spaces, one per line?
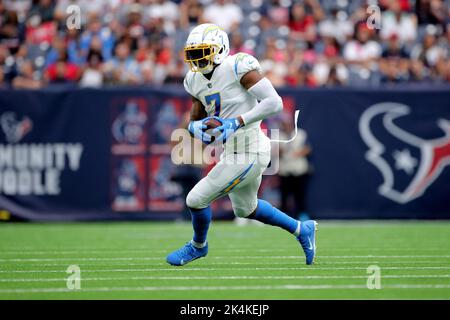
{"x":356,"y":51}
{"x":338,"y":29}
{"x":20,"y":6}
{"x":405,"y":28}
{"x":91,"y":78}
{"x":167,"y":10}
{"x":321,"y":72}
{"x":224,"y":15}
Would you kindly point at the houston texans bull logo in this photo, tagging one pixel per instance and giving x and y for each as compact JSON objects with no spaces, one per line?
{"x":14,"y":129}
{"x":418,"y":161}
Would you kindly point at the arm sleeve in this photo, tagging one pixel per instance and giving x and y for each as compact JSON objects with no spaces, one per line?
{"x":270,"y":102}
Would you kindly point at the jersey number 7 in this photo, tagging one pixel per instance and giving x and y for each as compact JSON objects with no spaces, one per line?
{"x":214,"y":99}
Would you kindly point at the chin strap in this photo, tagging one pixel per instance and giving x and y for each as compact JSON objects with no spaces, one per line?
{"x":295,"y":129}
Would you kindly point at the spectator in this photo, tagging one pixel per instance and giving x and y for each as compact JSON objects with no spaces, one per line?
{"x":274,"y":63}
{"x":62,"y":71}
{"x":21,"y":7}
{"x":40,"y":27}
{"x":328,"y":74}
{"x":93,"y":74}
{"x":418,"y":73}
{"x":394,"y":49}
{"x":96,"y":29}
{"x":2,"y":78}
{"x":394,"y":70}
{"x":336,"y":26}
{"x":397,"y":22}
{"x":168,"y":11}
{"x":299,"y":43}
{"x":430,"y":12}
{"x":123,"y":68}
{"x":58,"y":46}
{"x":294,"y":170}
{"x":237,"y":44}
{"x":329,"y":47}
{"x":429,"y":52}
{"x":76,"y":55}
{"x":7,"y":65}
{"x":189,"y":163}
{"x":335,"y":78}
{"x":443,"y":71}
{"x":300,"y":76}
{"x":302,"y":26}
{"x":11,"y":31}
{"x":362,"y":49}
{"x":224,"y":13}
{"x":361,"y":55}
{"x":175,"y":74}
{"x":191,"y":13}
{"x":43,"y":10}
{"x":26,"y":78}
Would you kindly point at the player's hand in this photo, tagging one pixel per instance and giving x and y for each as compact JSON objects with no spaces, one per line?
{"x":196,"y":128}
{"x":228,"y":127}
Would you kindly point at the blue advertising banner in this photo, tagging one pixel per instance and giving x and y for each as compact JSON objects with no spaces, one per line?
{"x":378,"y":153}
{"x":93,"y":154}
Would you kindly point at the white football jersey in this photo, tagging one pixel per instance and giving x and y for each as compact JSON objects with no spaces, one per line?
{"x":225,"y":97}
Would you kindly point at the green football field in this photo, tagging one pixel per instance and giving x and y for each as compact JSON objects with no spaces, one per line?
{"x":124,"y":260}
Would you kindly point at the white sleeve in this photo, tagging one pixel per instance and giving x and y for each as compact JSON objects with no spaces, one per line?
{"x":244,"y":63}
{"x":270,"y":102}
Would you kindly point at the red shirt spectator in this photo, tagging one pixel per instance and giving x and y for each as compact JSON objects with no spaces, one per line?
{"x":44,"y":32}
{"x":62,"y":71}
{"x":299,"y":21}
{"x":301,"y":25}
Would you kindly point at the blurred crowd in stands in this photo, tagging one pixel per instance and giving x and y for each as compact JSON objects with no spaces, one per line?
{"x":312,"y":43}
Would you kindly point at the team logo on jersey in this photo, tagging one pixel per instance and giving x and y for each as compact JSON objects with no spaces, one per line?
{"x":408,"y":163}
{"x":13,"y":128}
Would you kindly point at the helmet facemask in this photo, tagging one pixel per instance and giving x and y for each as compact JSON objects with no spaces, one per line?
{"x":201,"y":57}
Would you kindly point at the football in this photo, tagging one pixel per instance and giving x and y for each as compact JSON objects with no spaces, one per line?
{"x":212,"y":123}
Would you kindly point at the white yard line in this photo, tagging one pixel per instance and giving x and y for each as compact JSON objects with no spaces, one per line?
{"x":292,"y":263}
{"x":80,"y":259}
{"x":409,"y":276}
{"x":220,"y":288}
{"x":227,"y":257}
{"x":152,"y":250}
{"x":311,"y":268}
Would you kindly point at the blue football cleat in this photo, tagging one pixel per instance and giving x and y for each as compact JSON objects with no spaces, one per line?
{"x":307,"y":239}
{"x":186,"y":254}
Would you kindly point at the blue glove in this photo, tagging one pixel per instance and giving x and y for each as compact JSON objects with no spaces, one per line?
{"x":228,"y":127}
{"x":196,"y":128}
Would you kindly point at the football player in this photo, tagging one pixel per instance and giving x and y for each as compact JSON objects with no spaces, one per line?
{"x":232,"y":91}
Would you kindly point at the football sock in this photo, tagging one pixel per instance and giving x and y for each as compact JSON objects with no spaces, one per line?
{"x":201,"y":218}
{"x":198,"y":245}
{"x":268,"y":214}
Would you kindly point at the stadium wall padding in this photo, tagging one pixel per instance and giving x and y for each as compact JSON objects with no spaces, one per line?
{"x":104,"y":154}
